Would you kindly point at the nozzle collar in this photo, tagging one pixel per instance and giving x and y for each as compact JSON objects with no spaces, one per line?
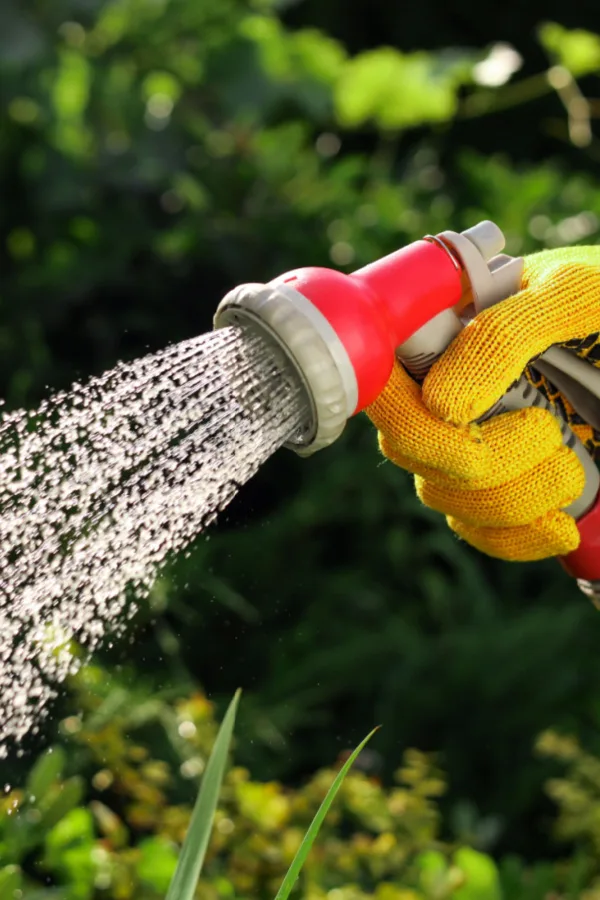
{"x":286,"y":318}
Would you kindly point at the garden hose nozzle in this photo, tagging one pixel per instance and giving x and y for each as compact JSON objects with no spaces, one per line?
{"x":342,"y":332}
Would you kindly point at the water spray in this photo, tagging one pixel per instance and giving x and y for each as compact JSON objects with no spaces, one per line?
{"x":342,"y":332}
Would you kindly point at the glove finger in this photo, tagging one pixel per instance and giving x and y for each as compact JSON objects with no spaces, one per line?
{"x":552,"y":485}
{"x":555,"y":534}
{"x":391,"y":452}
{"x":417,"y":434}
{"x":493,"y":350}
{"x":517,"y":442}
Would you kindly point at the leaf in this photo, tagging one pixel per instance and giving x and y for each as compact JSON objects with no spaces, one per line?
{"x":10,"y":882}
{"x":269,"y":37}
{"x":158,"y":82}
{"x":482,"y":880}
{"x":310,"y":836}
{"x":68,"y":798}
{"x":576,"y":50}
{"x":111,"y":826}
{"x":183,"y":886}
{"x":157,"y":864}
{"x":302,"y":65}
{"x":71,"y":86}
{"x":46,"y":771}
{"x":69,"y":851}
{"x":263,"y":804}
{"x":317,"y":54}
{"x":76,"y":827}
{"x":395,"y":90}
{"x":433,"y":868}
{"x":288,"y":55}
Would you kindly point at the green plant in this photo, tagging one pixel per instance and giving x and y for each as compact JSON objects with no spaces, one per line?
{"x":118,"y":837}
{"x":193,"y":851}
{"x":102,"y":816}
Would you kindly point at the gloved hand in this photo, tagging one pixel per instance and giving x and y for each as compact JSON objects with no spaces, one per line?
{"x":501,"y":484}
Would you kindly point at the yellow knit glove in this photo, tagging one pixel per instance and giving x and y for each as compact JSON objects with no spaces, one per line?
{"x":501,"y":484}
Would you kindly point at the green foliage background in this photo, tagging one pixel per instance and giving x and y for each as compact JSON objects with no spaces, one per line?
{"x":153,"y":154}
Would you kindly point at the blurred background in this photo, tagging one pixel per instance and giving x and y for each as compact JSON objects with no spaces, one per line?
{"x":154,"y":154}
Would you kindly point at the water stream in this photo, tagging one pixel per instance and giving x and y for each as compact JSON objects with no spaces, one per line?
{"x":101,"y":484}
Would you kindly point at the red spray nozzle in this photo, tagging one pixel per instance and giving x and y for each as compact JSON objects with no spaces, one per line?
{"x":375,"y":309}
{"x":341,"y":331}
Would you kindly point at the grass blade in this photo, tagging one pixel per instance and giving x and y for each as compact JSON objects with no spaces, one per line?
{"x":309,"y":838}
{"x":187,"y":873}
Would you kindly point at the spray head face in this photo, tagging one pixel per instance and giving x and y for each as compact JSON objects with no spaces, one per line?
{"x":294,"y":328}
{"x":340,"y":332}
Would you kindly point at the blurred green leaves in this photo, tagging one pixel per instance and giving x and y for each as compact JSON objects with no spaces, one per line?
{"x":287,"y":56}
{"x":481,"y":877}
{"x":71,"y":85}
{"x":69,"y":853}
{"x":11,"y":881}
{"x":576,"y":50}
{"x":395,"y":90}
{"x":47,"y":769}
{"x":376,"y":843}
{"x":158,"y":862}
{"x":69,"y":95}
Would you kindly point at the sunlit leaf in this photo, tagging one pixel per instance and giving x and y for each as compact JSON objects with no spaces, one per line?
{"x":157,"y":864}
{"x":69,"y":796}
{"x":71,"y":86}
{"x":268,"y":35}
{"x":315,"y":826}
{"x":11,"y":881}
{"x":481,"y":874}
{"x":302,"y":65}
{"x":161,"y":83}
{"x":74,"y":828}
{"x":183,"y":886}
{"x":45,"y":773}
{"x":317,"y":54}
{"x":395,"y":90}
{"x":432,"y":867}
{"x":264,"y":804}
{"x":293,"y":54}
{"x":576,"y":50}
